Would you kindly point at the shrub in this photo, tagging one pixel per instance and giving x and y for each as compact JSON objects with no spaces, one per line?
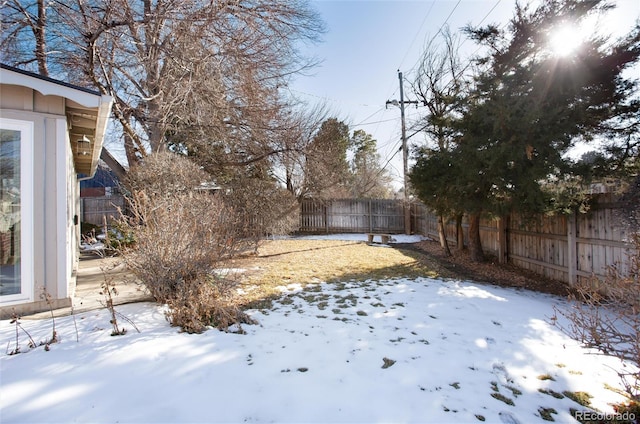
{"x":118,"y":238}
{"x":263,"y":207}
{"x":163,"y":174}
{"x":182,"y":235}
{"x":606,"y":316}
{"x":201,"y":303}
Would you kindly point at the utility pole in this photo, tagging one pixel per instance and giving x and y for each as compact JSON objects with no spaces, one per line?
{"x":405,"y":153}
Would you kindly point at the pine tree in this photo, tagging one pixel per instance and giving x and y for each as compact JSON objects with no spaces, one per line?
{"x":369,"y":178}
{"x":529,"y":106}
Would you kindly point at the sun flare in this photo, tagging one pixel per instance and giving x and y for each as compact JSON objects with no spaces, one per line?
{"x":565,"y":40}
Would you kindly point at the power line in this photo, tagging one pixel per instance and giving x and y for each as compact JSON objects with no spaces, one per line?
{"x":465,"y":39}
{"x":375,"y":122}
{"x":471,"y":56}
{"x":387,"y":163}
{"x":402,"y":102}
{"x":291,"y":90}
{"x":364,"y":121}
{"x":416,"y":36}
{"x":437,"y":32}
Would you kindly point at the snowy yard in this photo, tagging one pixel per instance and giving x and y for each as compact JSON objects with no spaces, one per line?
{"x":401,"y":350}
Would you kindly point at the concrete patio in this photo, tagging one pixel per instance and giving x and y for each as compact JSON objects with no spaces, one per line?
{"x":92,"y":271}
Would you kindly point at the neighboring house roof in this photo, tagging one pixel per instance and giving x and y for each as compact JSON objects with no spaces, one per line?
{"x":104,"y":177}
{"x":87,"y":113}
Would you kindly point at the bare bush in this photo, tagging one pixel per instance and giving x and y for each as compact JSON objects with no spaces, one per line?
{"x":178,"y":239}
{"x":163,"y":174}
{"x":181,"y":236}
{"x":203,"y":302}
{"x":264,"y":209}
{"x":284,"y":213}
{"x":605,"y":315}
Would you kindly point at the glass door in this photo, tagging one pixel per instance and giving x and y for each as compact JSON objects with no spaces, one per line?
{"x":16,"y":142}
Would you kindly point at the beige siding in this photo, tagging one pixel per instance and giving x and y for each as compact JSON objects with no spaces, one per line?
{"x":51,"y":262}
{"x":14,"y":97}
{"x":55,"y":169}
{"x":48,"y":104}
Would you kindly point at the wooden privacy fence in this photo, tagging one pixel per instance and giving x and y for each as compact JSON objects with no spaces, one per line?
{"x":565,"y":248}
{"x":92,"y":209}
{"x":352,"y":216}
{"x":568,"y":248}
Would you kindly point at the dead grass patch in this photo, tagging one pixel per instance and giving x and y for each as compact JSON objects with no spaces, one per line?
{"x":283,"y":262}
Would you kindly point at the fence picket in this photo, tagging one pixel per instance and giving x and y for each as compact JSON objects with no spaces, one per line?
{"x":93,"y":209}
{"x":565,"y":248}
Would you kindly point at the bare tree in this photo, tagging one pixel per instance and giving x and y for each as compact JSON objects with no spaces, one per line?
{"x":290,"y":165}
{"x":206,"y":79}
{"x":217,"y":67}
{"x":173,"y":66}
{"x":25,"y":24}
{"x":441,"y":84}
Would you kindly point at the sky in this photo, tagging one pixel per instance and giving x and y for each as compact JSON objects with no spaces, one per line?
{"x":369,"y":41}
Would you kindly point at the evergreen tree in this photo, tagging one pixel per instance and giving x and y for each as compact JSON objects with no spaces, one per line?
{"x":529,"y":107}
{"x":369,"y":179}
{"x":441,"y":85}
{"x":327,"y":168}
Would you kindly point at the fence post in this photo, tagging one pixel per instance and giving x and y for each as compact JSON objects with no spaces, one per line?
{"x":503,"y":241}
{"x":407,"y":217}
{"x":370,"y":218}
{"x":412,"y":219}
{"x":325,"y":209}
{"x":572,"y":249}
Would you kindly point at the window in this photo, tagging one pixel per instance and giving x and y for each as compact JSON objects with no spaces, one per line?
{"x":16,"y":211}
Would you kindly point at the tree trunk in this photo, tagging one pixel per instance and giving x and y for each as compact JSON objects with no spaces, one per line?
{"x":130,"y":150}
{"x":459,"y":233}
{"x":475,"y":245}
{"x":41,"y":40}
{"x":155,"y":129}
{"x":443,"y":236}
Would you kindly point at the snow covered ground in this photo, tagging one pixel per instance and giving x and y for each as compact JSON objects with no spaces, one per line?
{"x":400,"y":350}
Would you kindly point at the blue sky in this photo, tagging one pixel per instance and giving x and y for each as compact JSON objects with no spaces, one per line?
{"x":368,"y":41}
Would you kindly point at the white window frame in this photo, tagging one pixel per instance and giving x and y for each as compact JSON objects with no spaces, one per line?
{"x":26,"y":129}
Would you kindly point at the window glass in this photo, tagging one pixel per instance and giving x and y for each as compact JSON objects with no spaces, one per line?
{"x":10,"y":213}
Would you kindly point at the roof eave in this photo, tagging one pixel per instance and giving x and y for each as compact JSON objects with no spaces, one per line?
{"x":102,"y":120}
{"x":49,"y":87}
{"x":90,"y":99}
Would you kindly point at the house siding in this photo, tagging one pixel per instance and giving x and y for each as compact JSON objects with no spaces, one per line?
{"x":55,"y":110}
{"x":54,"y":260}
